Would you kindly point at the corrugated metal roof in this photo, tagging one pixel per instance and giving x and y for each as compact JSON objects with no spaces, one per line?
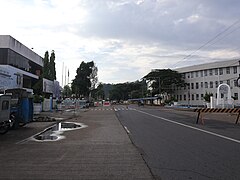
{"x":213,"y":65}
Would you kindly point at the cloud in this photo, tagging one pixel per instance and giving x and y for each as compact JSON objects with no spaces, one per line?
{"x":126,"y":38}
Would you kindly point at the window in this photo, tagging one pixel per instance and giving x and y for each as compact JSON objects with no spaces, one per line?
{"x":191,"y":74}
{"x":18,"y":79}
{"x":197,"y":96}
{"x":184,"y":97}
{"x":188,"y":76}
{"x":192,"y":96}
{"x":201,"y":96}
{"x":235,"y":70}
{"x":197,"y":86}
{"x":184,"y":76}
{"x":221,"y":82}
{"x":188,"y":84}
{"x":228,"y":70}
{"x":220,"y":71}
{"x":206,"y":84}
{"x":201,"y":84}
{"x":5,"y":105}
{"x":216,"y":84}
{"x":192,"y":85}
{"x":236,"y":96}
{"x":228,"y":82}
{"x":210,"y":72}
{"x":201,"y":73}
{"x":211,"y":84}
{"x":177,"y":97}
{"x":196,"y":73}
{"x":180,"y":97}
{"x":235,"y":83}
{"x":216,"y":71}
{"x":205,"y":73}
{"x":18,"y":60}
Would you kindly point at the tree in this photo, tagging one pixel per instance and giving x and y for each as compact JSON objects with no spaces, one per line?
{"x":67,"y":92}
{"x":207,"y":96}
{"x":93,"y":75}
{"x":164,"y":80}
{"x":48,"y":72}
{"x":46,"y":69}
{"x":98,"y":93}
{"x":49,"y":69}
{"x":129,"y":90}
{"x":85,"y":80}
{"x":52,"y":68}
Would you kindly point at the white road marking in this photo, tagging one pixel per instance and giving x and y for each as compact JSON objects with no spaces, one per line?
{"x":127,"y":129}
{"x":191,"y":127}
{"x":110,"y":109}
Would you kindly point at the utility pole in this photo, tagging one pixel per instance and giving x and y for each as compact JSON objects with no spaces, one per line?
{"x":159,"y":85}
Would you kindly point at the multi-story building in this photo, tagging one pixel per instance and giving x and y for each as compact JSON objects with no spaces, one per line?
{"x":20,"y":67}
{"x":205,"y":78}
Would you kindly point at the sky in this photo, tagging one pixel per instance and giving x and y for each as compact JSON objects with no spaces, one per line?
{"x":125,"y":38}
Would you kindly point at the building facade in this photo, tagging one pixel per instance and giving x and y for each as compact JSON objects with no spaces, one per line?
{"x":205,"y":78}
{"x":20,"y":67}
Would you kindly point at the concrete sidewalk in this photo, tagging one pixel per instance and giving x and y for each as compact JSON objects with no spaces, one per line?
{"x":102,"y":150}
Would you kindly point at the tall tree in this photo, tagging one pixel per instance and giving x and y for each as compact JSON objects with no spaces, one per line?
{"x":85,"y":80}
{"x":164,"y":80}
{"x":98,"y":93}
{"x":125,"y":91}
{"x":48,"y":72}
{"x":46,"y":69}
{"x":52,"y":68}
{"x":67,"y":92}
{"x":93,"y":75}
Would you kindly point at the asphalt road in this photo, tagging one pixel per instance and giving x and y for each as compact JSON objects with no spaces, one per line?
{"x":174,"y":147}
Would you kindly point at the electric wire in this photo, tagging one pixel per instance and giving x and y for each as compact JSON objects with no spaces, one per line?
{"x":212,"y":40}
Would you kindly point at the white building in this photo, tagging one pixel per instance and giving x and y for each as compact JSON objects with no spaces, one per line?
{"x":206,"y":78}
{"x":20,"y":67}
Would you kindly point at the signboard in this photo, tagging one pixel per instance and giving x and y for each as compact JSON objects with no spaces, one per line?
{"x":223,"y":88}
{"x":48,"y":86}
{"x":51,"y":87}
{"x":9,"y":78}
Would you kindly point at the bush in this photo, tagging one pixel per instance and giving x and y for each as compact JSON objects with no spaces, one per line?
{"x":37,"y":98}
{"x":207,"y":96}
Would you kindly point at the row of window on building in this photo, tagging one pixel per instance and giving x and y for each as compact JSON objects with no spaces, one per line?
{"x":210,"y":72}
{"x":197,"y":97}
{"x":211,"y":84}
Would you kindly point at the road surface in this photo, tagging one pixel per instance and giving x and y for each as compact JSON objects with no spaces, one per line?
{"x":174,"y":147}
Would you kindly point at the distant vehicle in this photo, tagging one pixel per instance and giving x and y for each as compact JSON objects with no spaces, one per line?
{"x":140,"y":103}
{"x":106,"y":103}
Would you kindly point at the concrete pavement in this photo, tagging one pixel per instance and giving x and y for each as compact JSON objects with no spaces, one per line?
{"x":103,"y":150}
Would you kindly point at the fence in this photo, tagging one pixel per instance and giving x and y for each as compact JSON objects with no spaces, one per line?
{"x":217,"y":110}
